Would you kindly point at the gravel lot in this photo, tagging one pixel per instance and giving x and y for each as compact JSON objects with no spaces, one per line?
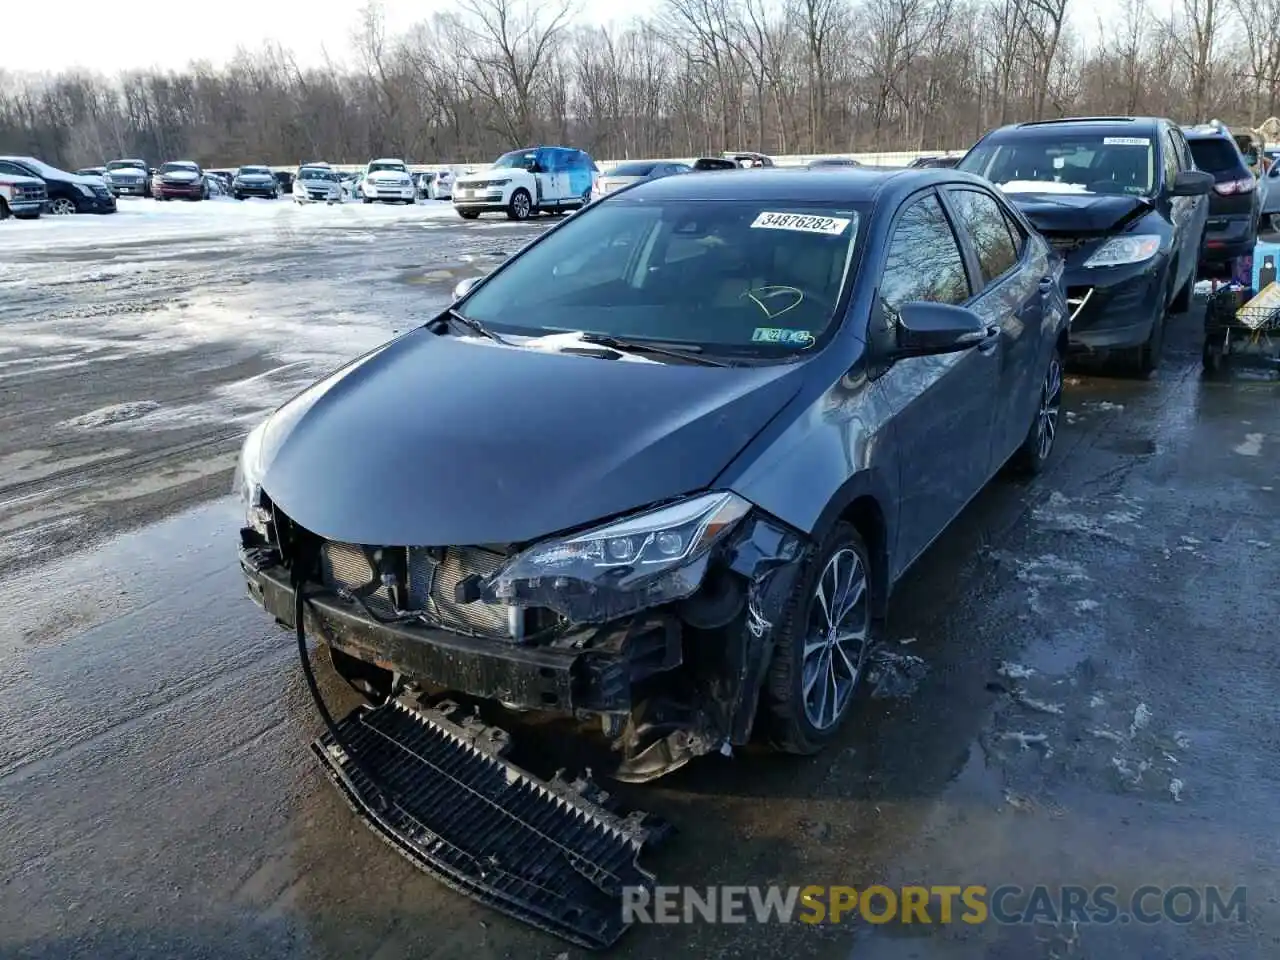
{"x":155,"y":786}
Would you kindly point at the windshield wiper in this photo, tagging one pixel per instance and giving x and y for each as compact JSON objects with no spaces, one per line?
{"x":682,"y":351}
{"x":477,"y":326}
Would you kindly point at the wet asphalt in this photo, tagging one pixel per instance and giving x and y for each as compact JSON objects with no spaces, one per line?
{"x":1079,"y":687}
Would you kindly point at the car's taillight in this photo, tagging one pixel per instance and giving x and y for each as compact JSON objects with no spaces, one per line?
{"x":1243,"y":185}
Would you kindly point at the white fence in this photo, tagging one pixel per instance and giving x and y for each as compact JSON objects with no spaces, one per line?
{"x":894,"y":159}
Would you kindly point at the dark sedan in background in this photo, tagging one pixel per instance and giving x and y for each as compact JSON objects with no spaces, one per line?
{"x":1121,"y":200}
{"x":68,"y":192}
{"x":256,"y":181}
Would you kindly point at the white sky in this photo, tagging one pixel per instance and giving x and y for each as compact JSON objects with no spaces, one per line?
{"x":99,"y":38}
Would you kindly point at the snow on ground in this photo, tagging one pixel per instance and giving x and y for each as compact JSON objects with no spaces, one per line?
{"x":141,"y":220}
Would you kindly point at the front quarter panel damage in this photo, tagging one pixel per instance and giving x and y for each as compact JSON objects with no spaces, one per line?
{"x":727,"y":651}
{"x":770,"y":558}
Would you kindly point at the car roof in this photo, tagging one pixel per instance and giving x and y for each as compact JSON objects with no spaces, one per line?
{"x":834,"y":184}
{"x":1206,"y":131}
{"x":1095,"y":125}
{"x":379,"y":160}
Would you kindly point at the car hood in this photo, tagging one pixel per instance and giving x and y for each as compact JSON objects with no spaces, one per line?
{"x":256,"y":178}
{"x":436,"y":440}
{"x":19,"y":180}
{"x":1055,"y":212}
{"x":180,"y":175}
{"x":390,"y":175}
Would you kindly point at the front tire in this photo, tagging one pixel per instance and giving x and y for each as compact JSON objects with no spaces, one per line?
{"x":521,"y":205}
{"x":469,"y":214}
{"x":62,"y":207}
{"x":1030,"y":458}
{"x":822,"y":651}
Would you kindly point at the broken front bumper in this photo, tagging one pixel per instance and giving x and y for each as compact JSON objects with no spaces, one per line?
{"x":564,"y":678}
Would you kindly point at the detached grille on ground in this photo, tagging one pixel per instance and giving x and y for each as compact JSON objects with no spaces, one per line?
{"x":547,"y":853}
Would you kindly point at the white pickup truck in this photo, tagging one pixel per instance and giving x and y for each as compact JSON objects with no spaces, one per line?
{"x":23,"y":197}
{"x":389,"y":181}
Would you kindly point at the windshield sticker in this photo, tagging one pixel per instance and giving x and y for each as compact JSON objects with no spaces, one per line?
{"x":831,"y":226}
{"x":1126,"y":141}
{"x":784,"y":336}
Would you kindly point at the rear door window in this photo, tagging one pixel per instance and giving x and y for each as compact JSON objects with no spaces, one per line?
{"x":982,"y":219}
{"x":923,"y":261}
{"x":1218,"y":157}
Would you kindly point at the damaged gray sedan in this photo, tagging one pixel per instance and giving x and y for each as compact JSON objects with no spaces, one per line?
{"x":661,"y":469}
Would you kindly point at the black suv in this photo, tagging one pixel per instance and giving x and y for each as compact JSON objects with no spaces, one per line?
{"x":1122,"y":202}
{"x":1235,"y":203}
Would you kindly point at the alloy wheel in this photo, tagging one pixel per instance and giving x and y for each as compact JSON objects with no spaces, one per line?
{"x":1050,"y":407}
{"x":520,"y":203}
{"x":836,"y":641}
{"x":62,"y":207}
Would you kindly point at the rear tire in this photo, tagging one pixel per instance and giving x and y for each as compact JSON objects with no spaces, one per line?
{"x":4,"y":209}
{"x":1030,"y":458}
{"x":469,"y":214}
{"x":808,"y":664}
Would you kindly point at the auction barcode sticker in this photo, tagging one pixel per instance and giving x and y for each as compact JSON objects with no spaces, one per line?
{"x":1126,"y":141}
{"x":804,"y":223}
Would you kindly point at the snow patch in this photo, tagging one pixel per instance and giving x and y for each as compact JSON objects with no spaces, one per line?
{"x":1086,"y":606}
{"x":1251,"y":447}
{"x":112,"y":415}
{"x":1175,"y":789}
{"x":1141,"y":719}
{"x":1041,"y":186}
{"x":1014,"y":671}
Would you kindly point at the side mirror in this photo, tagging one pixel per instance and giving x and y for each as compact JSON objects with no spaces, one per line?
{"x":927,"y":329}
{"x":1191,"y":183}
{"x":464,"y":287}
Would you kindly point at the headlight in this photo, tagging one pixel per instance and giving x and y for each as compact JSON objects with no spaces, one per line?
{"x":498,"y":183}
{"x":247,"y":484}
{"x":641,"y":561}
{"x":1122,"y":250}
{"x":85,"y":189}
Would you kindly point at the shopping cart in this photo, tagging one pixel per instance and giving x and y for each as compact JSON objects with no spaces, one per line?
{"x":1241,"y":329}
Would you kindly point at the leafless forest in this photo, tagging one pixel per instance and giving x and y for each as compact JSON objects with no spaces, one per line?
{"x":782,"y":76}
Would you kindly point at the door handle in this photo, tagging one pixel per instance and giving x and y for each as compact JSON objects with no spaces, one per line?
{"x":991,"y":340}
{"x":1046,"y":286}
